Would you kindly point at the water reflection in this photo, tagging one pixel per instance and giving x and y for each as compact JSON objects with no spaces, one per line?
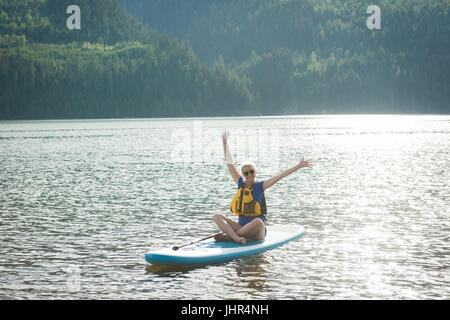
{"x":245,"y":266}
{"x":250,"y":275}
{"x":246,"y":277}
{"x":375,"y":208}
{"x":170,"y":270}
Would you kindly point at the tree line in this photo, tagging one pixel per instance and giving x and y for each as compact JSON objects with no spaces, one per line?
{"x":317,"y":55}
{"x":114,"y":67}
{"x":91,"y":80}
{"x":252,"y":57}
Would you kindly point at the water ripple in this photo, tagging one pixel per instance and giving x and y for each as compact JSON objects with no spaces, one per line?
{"x":82,"y":201}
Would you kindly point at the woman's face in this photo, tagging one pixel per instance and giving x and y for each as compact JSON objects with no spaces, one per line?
{"x":249,"y":173}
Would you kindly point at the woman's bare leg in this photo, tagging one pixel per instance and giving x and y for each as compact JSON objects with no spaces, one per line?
{"x":229,"y":227}
{"x":254,"y":230}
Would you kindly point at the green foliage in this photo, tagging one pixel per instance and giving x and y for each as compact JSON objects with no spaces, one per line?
{"x":45,"y":21}
{"x":234,"y":28}
{"x":264,"y":57}
{"x":112,"y":67}
{"x":318,"y":55}
{"x":92,"y":80}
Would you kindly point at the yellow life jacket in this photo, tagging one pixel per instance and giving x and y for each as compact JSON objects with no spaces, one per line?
{"x":243,"y":203}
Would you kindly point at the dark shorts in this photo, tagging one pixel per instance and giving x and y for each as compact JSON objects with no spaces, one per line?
{"x":244,"y":220}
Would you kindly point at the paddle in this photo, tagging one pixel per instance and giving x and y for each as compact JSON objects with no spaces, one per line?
{"x":187,"y":244}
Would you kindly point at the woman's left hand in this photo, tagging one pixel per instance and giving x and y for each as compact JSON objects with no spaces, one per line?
{"x":305,"y":163}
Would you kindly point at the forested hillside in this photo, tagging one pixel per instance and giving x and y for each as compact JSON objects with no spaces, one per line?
{"x":235,"y":28}
{"x":139,"y":58}
{"x":318,"y":55}
{"x":112,"y":67}
{"x":103,"y":21}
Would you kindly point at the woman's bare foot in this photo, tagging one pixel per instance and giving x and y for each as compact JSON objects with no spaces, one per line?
{"x":241,"y":241}
{"x":222,"y":237}
{"x":225,"y":237}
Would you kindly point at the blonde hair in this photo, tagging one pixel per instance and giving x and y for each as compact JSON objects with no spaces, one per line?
{"x":247,"y":163}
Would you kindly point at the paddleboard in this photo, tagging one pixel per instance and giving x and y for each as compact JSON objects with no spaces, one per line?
{"x":211,"y":251}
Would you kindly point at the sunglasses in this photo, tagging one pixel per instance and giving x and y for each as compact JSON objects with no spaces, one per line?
{"x":251,"y":172}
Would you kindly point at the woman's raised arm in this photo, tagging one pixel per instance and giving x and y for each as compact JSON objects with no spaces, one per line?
{"x":303,"y":164}
{"x":228,"y":158}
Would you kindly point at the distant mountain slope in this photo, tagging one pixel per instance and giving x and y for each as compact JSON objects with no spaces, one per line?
{"x":102,"y":21}
{"x":236,"y":27}
{"x":318,"y":55}
{"x":113,"y":67}
{"x":257,"y":57}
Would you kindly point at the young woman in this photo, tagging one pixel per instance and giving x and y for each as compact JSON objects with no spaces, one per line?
{"x":249,"y":202}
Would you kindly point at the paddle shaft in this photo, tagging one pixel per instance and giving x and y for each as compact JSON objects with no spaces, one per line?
{"x":187,"y":244}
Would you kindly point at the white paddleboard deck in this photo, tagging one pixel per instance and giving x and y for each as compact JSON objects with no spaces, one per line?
{"x":211,"y":251}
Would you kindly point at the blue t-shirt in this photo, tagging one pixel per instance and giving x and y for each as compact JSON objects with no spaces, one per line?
{"x":257,"y":194}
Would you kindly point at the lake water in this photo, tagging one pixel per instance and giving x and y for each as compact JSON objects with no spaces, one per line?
{"x":81,"y":202}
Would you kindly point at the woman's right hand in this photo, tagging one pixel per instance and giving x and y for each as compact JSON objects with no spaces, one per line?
{"x":229,"y":158}
{"x":225,"y":136}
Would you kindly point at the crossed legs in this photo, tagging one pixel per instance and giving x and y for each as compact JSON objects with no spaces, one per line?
{"x":253,"y":230}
